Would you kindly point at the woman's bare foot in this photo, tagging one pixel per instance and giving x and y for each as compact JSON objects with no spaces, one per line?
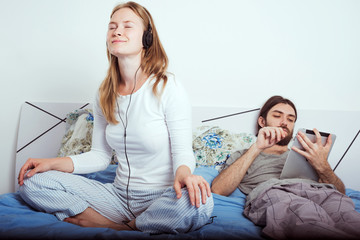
{"x":91,"y":218}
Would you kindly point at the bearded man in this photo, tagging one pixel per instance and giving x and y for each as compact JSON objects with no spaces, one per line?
{"x":288,"y":208}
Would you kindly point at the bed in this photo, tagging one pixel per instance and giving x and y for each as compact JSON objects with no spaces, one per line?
{"x":217,"y":132}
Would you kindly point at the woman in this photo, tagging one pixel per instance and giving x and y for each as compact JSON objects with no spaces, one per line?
{"x":143,"y":114}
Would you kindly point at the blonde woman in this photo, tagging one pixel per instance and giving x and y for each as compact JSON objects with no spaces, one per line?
{"x":142,"y":113}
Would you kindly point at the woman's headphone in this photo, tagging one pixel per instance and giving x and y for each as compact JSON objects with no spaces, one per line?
{"x":147,"y":39}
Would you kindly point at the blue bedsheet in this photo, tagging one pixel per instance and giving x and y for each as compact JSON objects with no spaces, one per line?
{"x":19,"y":221}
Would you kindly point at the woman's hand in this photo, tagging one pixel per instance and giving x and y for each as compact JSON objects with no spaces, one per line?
{"x":38,"y":165}
{"x":195,"y":185}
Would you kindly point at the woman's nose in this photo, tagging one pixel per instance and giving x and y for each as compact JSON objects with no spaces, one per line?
{"x":117,"y":32}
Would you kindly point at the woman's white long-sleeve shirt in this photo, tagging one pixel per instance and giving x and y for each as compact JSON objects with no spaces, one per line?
{"x":158,"y":137}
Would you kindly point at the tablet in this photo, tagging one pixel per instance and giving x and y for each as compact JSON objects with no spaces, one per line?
{"x":297,"y":166}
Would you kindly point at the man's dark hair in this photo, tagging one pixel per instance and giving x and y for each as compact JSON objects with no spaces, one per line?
{"x":272,"y":102}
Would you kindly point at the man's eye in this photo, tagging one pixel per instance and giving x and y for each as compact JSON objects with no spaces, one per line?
{"x":291,"y":120}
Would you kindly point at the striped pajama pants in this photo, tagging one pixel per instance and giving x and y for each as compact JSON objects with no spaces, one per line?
{"x":157,"y":211}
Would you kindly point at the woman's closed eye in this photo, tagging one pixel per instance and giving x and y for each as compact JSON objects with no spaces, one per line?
{"x":112,"y":26}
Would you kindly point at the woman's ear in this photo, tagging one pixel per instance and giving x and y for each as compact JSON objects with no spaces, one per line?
{"x":261,"y":121}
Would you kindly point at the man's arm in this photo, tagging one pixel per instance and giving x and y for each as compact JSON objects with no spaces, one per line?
{"x":317,"y":155}
{"x":328,"y":176}
{"x":228,"y":180}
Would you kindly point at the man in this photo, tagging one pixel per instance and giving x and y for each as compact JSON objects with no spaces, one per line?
{"x":288,"y":208}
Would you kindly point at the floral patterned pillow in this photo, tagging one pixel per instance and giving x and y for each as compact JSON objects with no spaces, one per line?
{"x":213,"y":145}
{"x":78,"y":134}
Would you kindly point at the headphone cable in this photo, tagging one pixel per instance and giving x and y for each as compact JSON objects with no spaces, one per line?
{"x":125,"y":135}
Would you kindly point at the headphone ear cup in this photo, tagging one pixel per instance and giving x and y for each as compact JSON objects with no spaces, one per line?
{"x":147,"y":38}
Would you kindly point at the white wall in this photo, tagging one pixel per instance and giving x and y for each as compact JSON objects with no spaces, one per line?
{"x":227,"y":53}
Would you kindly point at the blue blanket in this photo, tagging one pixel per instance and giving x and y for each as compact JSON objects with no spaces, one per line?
{"x":19,"y":221}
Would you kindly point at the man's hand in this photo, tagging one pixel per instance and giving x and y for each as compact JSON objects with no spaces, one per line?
{"x":269,"y":136}
{"x":195,"y":185}
{"x":316,"y":153}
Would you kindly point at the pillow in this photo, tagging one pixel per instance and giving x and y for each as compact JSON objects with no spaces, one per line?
{"x":78,"y":133}
{"x":213,"y":145}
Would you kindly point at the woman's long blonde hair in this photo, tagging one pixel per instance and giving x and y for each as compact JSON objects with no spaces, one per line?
{"x":154,"y":62}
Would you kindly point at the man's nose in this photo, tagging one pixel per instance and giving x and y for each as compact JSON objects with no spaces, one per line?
{"x":284,"y":122}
